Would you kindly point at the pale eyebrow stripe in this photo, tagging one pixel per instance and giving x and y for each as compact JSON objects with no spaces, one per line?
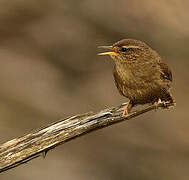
{"x":134,"y":47}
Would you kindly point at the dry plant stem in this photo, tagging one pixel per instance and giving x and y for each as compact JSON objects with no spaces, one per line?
{"x":32,"y":145}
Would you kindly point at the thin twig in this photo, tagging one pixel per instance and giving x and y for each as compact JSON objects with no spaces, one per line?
{"x":23,"y":149}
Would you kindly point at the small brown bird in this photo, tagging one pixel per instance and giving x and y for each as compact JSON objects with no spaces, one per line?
{"x":140,"y":73}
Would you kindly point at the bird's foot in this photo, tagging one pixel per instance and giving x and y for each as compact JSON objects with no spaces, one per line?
{"x":157,"y":103}
{"x":163,"y":104}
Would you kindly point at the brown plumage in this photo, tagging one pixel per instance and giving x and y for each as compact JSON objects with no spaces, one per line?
{"x":140,"y":73}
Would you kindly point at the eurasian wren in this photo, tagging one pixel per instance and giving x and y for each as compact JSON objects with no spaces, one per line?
{"x":140,"y":73}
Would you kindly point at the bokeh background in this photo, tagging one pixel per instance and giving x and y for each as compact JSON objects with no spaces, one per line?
{"x":49,"y":70}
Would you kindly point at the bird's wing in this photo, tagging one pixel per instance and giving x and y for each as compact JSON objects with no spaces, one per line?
{"x":165,"y":71}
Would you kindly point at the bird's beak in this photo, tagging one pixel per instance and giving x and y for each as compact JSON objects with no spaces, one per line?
{"x":107,"y":53}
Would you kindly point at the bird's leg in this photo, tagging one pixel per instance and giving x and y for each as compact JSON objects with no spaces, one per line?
{"x":156,"y":103}
{"x":127,"y":108}
{"x":159,"y":101}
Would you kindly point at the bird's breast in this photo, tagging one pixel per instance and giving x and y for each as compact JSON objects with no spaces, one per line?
{"x":126,"y":75}
{"x":132,"y":83}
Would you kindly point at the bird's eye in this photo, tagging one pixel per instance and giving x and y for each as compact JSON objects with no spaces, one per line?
{"x":123,"y":49}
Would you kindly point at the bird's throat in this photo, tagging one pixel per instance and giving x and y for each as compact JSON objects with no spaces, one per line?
{"x":123,"y":71}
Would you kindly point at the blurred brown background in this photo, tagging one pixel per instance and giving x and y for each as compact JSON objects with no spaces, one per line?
{"x":49,"y":70}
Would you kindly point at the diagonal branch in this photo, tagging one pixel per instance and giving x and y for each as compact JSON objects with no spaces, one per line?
{"x":20,"y":150}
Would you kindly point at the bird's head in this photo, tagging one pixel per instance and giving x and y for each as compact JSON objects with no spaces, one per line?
{"x":127,"y":51}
